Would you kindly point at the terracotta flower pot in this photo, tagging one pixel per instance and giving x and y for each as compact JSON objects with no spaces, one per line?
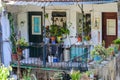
{"x":52,"y":38}
{"x":79,"y":39}
{"x":14,"y":57}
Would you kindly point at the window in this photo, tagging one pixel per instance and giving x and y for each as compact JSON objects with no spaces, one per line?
{"x":59,"y":18}
{"x":86,"y":27}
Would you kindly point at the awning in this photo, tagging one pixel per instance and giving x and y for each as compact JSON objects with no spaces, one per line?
{"x":55,"y":2}
{"x":58,"y":0}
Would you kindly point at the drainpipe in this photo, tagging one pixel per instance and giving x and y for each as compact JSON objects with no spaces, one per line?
{"x":118,"y":19}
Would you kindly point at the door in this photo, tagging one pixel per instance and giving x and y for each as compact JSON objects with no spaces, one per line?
{"x":35,"y":33}
{"x":109,"y":27}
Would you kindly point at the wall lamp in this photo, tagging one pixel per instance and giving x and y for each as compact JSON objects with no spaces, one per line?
{"x":22,"y":23}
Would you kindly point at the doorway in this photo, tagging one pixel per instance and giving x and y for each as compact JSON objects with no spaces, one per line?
{"x":109,"y":27}
{"x":35,"y":33}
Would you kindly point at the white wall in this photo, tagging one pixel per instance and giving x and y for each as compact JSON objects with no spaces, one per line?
{"x":96,"y":11}
{"x":23,"y":28}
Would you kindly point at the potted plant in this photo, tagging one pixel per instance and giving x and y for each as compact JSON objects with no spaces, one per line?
{"x":13,"y":38}
{"x":75,"y":75}
{"x":87,"y":38}
{"x":21,"y":45}
{"x":98,"y":53}
{"x":110,"y":51}
{"x":53,"y":33}
{"x":117,"y":42}
{"x":58,"y":31}
{"x":62,"y":33}
{"x":79,"y":38}
{"x":13,"y":46}
{"x":5,"y":73}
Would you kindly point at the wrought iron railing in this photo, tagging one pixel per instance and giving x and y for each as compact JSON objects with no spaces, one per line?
{"x":56,"y":56}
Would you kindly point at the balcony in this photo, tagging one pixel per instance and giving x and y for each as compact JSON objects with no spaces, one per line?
{"x":55,"y":56}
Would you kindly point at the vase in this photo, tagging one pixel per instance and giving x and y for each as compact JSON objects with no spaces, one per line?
{"x":50,"y":58}
{"x":97,"y":58}
{"x":53,"y":42}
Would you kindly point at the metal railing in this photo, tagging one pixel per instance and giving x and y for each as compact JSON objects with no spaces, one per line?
{"x":56,"y":56}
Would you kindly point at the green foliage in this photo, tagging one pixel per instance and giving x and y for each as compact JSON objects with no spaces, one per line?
{"x":85,"y":26}
{"x":57,"y":75}
{"x":26,"y":75}
{"x":13,"y":37}
{"x":75,"y":75}
{"x":46,"y":15}
{"x":56,"y":30}
{"x":116,"y":41}
{"x":65,"y":31}
{"x":87,"y":38}
{"x":13,"y":34}
{"x":13,"y":43}
{"x":5,"y":72}
{"x":99,"y":50}
{"x":110,"y":50}
{"x":88,"y":72}
{"x":21,"y":42}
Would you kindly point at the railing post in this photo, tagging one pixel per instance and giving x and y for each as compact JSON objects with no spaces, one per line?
{"x":44,"y":37}
{"x":44,"y":55}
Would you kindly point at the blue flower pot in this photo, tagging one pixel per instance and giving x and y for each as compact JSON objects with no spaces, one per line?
{"x":97,"y":58}
{"x":55,"y":59}
{"x":53,"y":42}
